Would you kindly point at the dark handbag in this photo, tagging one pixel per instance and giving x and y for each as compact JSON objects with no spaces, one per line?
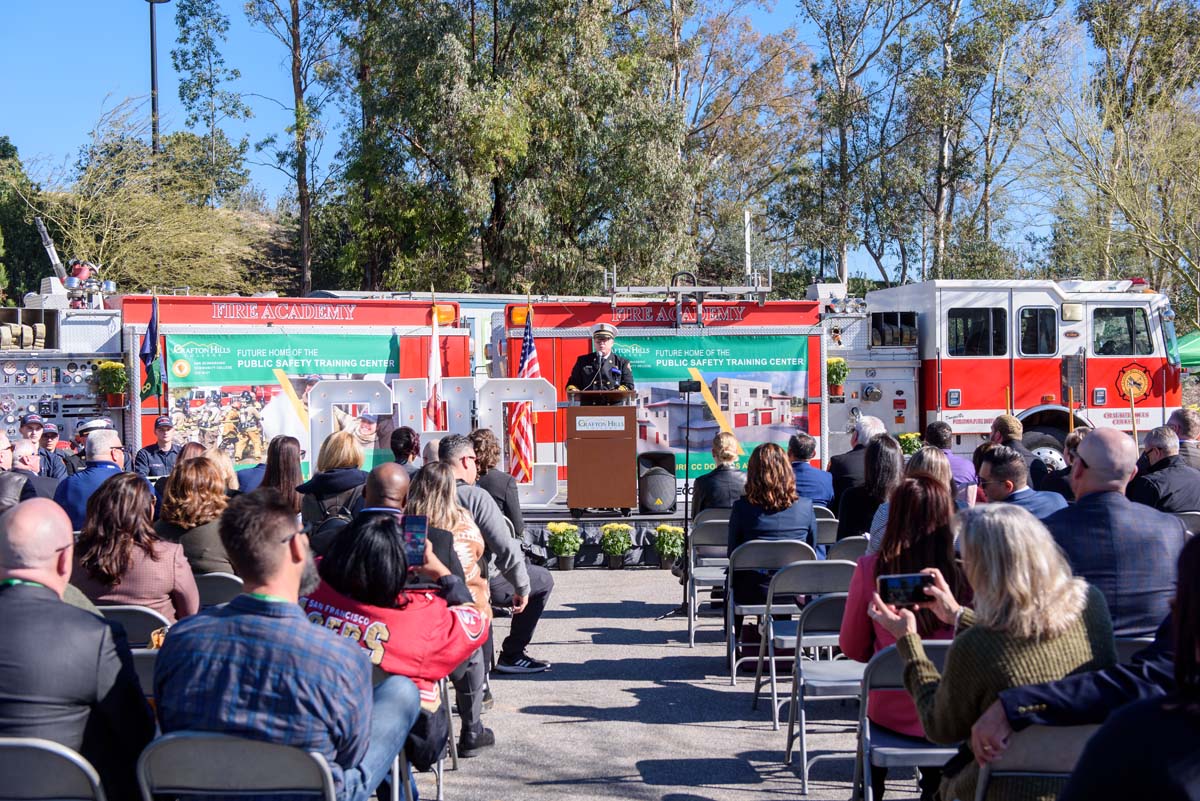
{"x":428,"y":739}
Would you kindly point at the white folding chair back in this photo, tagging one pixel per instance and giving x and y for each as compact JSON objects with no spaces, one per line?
{"x":138,"y":622}
{"x":217,"y":588}
{"x":204,"y":763}
{"x":1047,"y":752}
{"x":705,"y":571}
{"x":755,"y":555}
{"x":40,"y":770}
{"x":826,"y":531}
{"x":717,"y":515}
{"x":823,"y":512}
{"x":850,"y":548}
{"x":1191,"y":521}
{"x":143,"y":665}
{"x":1128,"y":646}
{"x":808,"y":578}
{"x":884,"y":748}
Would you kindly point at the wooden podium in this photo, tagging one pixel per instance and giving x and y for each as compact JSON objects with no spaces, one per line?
{"x":601,"y":452}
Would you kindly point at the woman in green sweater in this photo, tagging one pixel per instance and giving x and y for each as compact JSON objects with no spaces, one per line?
{"x":1032,"y":621}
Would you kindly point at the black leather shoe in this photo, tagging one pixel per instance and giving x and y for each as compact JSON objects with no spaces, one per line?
{"x":471,"y":743}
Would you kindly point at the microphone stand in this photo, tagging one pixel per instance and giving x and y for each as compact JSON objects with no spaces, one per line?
{"x":687,"y":496}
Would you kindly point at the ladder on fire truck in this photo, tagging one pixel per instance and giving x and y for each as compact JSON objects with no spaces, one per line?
{"x":756,"y":288}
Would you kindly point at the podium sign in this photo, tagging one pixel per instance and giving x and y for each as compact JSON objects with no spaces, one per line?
{"x":602,"y":457}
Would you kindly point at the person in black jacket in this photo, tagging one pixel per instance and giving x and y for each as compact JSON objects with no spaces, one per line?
{"x":601,"y":369}
{"x":499,"y":484}
{"x":1170,"y":484}
{"x":27,"y":461}
{"x":67,"y":674}
{"x":721,"y":486}
{"x":1060,"y":480}
{"x":337,"y":486}
{"x":848,"y":469}
{"x":884,"y":464}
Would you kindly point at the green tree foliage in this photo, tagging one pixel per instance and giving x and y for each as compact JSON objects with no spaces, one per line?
{"x":205,"y":171}
{"x":23,"y":261}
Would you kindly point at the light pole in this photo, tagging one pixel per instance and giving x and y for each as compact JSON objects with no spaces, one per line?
{"x":154,"y":145}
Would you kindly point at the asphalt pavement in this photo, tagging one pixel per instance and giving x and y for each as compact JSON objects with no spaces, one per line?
{"x":629,"y":711}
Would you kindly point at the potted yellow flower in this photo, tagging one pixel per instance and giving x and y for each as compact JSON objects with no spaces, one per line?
{"x":565,"y":542}
{"x":616,"y":540}
{"x":668,"y":541}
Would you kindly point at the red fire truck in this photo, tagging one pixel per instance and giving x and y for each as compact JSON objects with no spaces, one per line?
{"x":1054,"y":354}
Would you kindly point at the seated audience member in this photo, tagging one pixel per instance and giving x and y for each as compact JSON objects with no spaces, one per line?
{"x":283,"y":474}
{"x":387,"y":490}
{"x":917,"y":536}
{"x":52,"y":464}
{"x":105,"y":458}
{"x":1126,"y":550}
{"x":26,"y":462}
{"x":940,"y":435}
{"x":75,"y":457}
{"x":429,"y":453}
{"x":514,"y":582}
{"x":771,"y":510}
{"x":724,"y":484}
{"x":224,"y":463}
{"x":1148,"y":749}
{"x":189,"y":450}
{"x":120,"y":560}
{"x":849,"y":469}
{"x":421,"y":634}
{"x":337,"y":486}
{"x":928,"y":461}
{"x":1032,"y":621}
{"x":499,"y":484}
{"x":1186,"y":425}
{"x":811,"y":482}
{"x":67,"y":674}
{"x":258,"y":668}
{"x":156,"y":459}
{"x":1169,"y":484}
{"x":406,"y":447}
{"x":12,"y":485}
{"x":1003,"y":478}
{"x":885,"y":467}
{"x":1008,"y":430}
{"x":1059,"y":480}
{"x":191,"y":514}
{"x":250,"y":478}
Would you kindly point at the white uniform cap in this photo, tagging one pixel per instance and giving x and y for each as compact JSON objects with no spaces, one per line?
{"x":604,"y":330}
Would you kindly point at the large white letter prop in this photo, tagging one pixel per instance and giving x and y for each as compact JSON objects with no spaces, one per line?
{"x":327,"y":394}
{"x":491,"y":408}
{"x":409,"y":395}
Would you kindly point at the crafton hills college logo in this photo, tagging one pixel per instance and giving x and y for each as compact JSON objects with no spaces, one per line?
{"x":1133,"y":382}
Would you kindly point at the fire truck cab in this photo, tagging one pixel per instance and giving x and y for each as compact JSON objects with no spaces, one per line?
{"x":1046,"y":351}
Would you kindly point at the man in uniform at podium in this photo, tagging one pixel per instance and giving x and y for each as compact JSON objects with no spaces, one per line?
{"x":601,"y":369}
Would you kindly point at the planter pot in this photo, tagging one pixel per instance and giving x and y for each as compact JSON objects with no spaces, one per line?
{"x":666,"y":562}
{"x":837,"y":390}
{"x":565,"y":562}
{"x":616,"y":561}
{"x":115,"y":400}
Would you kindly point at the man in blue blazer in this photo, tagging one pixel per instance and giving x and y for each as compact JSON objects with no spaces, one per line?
{"x":811,"y":482}
{"x":1004,"y":477}
{"x":1127,"y":550}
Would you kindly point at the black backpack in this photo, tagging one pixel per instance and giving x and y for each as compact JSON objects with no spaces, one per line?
{"x":333,"y":520}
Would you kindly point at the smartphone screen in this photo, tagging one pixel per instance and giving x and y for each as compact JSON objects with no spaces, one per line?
{"x":904,"y":589}
{"x":416,"y":530}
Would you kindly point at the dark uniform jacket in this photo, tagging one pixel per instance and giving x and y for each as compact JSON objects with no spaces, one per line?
{"x":1170,"y":485}
{"x":37,"y":486}
{"x":52,"y":465}
{"x":153,"y":462}
{"x":592,"y":372}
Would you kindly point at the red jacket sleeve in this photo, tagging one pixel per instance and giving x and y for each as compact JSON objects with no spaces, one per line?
{"x":857,"y":637}
{"x":452,"y":635}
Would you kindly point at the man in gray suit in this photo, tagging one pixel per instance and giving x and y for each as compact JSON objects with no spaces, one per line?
{"x":67,"y":674}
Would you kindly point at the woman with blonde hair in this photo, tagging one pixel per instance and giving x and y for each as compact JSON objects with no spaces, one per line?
{"x":337,"y":488}
{"x":928,"y":461}
{"x":433,"y":494}
{"x":1032,"y":621}
{"x":724,"y":484}
{"x":224,"y":463}
{"x":191,"y":510}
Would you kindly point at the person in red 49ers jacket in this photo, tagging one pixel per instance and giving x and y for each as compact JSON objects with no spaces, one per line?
{"x":368,"y":594}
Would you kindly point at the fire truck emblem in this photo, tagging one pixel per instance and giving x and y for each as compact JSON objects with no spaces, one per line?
{"x":1133,"y":382}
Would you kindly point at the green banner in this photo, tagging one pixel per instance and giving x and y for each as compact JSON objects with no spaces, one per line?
{"x":669,"y":358}
{"x":204,"y":360}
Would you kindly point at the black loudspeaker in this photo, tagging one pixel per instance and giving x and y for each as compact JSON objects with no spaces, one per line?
{"x":656,"y":482}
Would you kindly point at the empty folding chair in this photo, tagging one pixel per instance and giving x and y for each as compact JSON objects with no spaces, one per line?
{"x":850,"y":548}
{"x":763,"y":555}
{"x":709,"y":537}
{"x":828,"y":679}
{"x":1191,"y":521}
{"x":139,"y":622}
{"x":882,"y":747}
{"x":217,"y":588}
{"x":716,"y":515}
{"x":1046,"y":752}
{"x":40,"y":770}
{"x":204,"y":763}
{"x":823,"y":513}
{"x":800,"y":579}
{"x":826,"y":531}
{"x":1128,"y":646}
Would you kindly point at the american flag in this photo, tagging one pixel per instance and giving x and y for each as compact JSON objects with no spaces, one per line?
{"x":435,"y":411}
{"x":520,"y":416}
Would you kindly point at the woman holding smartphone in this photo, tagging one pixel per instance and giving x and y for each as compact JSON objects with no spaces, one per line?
{"x":917,"y":536}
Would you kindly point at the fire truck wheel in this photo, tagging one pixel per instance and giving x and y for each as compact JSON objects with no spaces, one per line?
{"x":1046,"y":448}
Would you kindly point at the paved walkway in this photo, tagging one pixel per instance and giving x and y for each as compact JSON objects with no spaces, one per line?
{"x":629,"y":711}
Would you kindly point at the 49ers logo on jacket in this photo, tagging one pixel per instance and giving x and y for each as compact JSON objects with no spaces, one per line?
{"x":1133,"y":382}
{"x":473,"y":622}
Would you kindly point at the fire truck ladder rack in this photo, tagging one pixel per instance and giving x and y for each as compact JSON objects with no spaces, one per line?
{"x":680,"y":293}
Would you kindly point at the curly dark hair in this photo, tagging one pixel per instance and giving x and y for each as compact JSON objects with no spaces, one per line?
{"x":195,"y":493}
{"x":770,"y":482}
{"x":487,"y":449}
{"x":118,"y":520}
